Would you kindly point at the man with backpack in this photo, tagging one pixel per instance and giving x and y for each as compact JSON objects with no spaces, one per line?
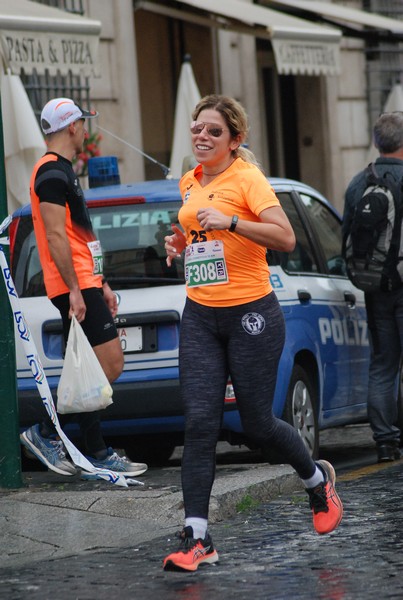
{"x":372,"y":238}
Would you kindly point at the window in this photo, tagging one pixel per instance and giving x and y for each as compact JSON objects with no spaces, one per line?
{"x":328,"y":230}
{"x":301,"y":259}
{"x":132,"y":240}
{"x":73,"y":6}
{"x":41,"y":88}
{"x":384,"y":58}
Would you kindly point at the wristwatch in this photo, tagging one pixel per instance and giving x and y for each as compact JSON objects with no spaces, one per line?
{"x":234,"y":223}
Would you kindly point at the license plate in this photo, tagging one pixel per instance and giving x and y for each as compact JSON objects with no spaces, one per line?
{"x":131,"y":339}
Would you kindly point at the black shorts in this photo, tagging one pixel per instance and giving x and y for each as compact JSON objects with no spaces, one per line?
{"x":98,"y":325}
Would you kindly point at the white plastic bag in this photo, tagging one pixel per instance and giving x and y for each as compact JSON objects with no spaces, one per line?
{"x":83,"y":386}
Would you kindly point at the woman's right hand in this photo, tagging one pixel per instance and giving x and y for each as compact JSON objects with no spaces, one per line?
{"x":174,"y":244}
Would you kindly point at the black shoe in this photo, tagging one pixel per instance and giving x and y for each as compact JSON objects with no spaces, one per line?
{"x":388,"y":452}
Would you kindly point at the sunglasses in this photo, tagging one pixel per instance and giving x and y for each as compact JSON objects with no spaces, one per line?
{"x":197,"y":127}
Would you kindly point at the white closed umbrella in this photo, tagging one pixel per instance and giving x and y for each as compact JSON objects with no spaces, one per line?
{"x":23,"y":139}
{"x":395,"y":99}
{"x":393,"y":102}
{"x":187,"y":97}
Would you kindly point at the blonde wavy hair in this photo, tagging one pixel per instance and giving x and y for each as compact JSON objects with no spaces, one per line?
{"x":235,"y":118}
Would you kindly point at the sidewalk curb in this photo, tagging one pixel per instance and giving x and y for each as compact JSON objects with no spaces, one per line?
{"x":259,"y":485}
{"x":53,"y":517}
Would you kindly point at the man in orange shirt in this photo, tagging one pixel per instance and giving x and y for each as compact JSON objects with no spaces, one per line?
{"x":71,"y":259}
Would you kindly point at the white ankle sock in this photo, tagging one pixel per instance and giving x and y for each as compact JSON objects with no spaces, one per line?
{"x":317,"y":478}
{"x":198,"y":525}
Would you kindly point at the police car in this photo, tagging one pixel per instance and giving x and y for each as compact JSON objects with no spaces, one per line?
{"x":323,"y":373}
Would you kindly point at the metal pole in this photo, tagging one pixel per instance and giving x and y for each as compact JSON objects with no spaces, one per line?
{"x":10,"y":454}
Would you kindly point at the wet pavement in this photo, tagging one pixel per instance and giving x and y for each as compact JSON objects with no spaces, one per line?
{"x":269,"y":550}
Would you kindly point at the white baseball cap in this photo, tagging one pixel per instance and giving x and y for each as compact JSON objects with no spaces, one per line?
{"x":60,"y":112}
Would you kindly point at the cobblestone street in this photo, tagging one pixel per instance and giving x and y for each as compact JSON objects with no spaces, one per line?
{"x":270,"y":551}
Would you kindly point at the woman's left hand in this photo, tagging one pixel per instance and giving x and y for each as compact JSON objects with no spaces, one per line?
{"x":211,"y":218}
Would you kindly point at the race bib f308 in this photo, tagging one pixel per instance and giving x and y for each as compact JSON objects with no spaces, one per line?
{"x":205,"y":264}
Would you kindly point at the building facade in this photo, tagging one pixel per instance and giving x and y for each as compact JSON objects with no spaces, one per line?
{"x":312,"y":122}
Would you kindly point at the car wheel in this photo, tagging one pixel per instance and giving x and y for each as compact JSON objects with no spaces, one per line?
{"x":300,"y":409}
{"x":300,"y":412}
{"x":153,"y":452}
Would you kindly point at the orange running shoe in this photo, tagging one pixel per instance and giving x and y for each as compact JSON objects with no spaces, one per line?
{"x":191,"y":552}
{"x":327,"y":508}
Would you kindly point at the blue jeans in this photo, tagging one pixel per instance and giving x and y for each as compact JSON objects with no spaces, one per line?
{"x":385,"y":323}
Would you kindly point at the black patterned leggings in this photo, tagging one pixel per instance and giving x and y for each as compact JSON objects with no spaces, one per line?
{"x":246,"y":342}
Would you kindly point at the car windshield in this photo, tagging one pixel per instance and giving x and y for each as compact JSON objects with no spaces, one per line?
{"x":132,"y":240}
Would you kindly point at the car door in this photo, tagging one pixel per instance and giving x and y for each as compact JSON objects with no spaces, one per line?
{"x":343,"y":329}
{"x":310,"y":301}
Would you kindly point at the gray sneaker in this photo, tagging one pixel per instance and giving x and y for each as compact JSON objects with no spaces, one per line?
{"x":119,"y":464}
{"x":49,"y":451}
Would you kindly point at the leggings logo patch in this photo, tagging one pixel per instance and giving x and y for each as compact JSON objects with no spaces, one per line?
{"x":253,"y":323}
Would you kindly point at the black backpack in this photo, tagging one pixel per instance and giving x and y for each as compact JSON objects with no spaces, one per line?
{"x":372,"y":248}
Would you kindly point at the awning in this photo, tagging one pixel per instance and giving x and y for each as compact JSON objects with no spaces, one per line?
{"x":300,"y":47}
{"x":359,"y":20}
{"x":35,"y":36}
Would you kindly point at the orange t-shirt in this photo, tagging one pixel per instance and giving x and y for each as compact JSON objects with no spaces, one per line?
{"x":241,"y":190}
{"x":53,"y":180}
